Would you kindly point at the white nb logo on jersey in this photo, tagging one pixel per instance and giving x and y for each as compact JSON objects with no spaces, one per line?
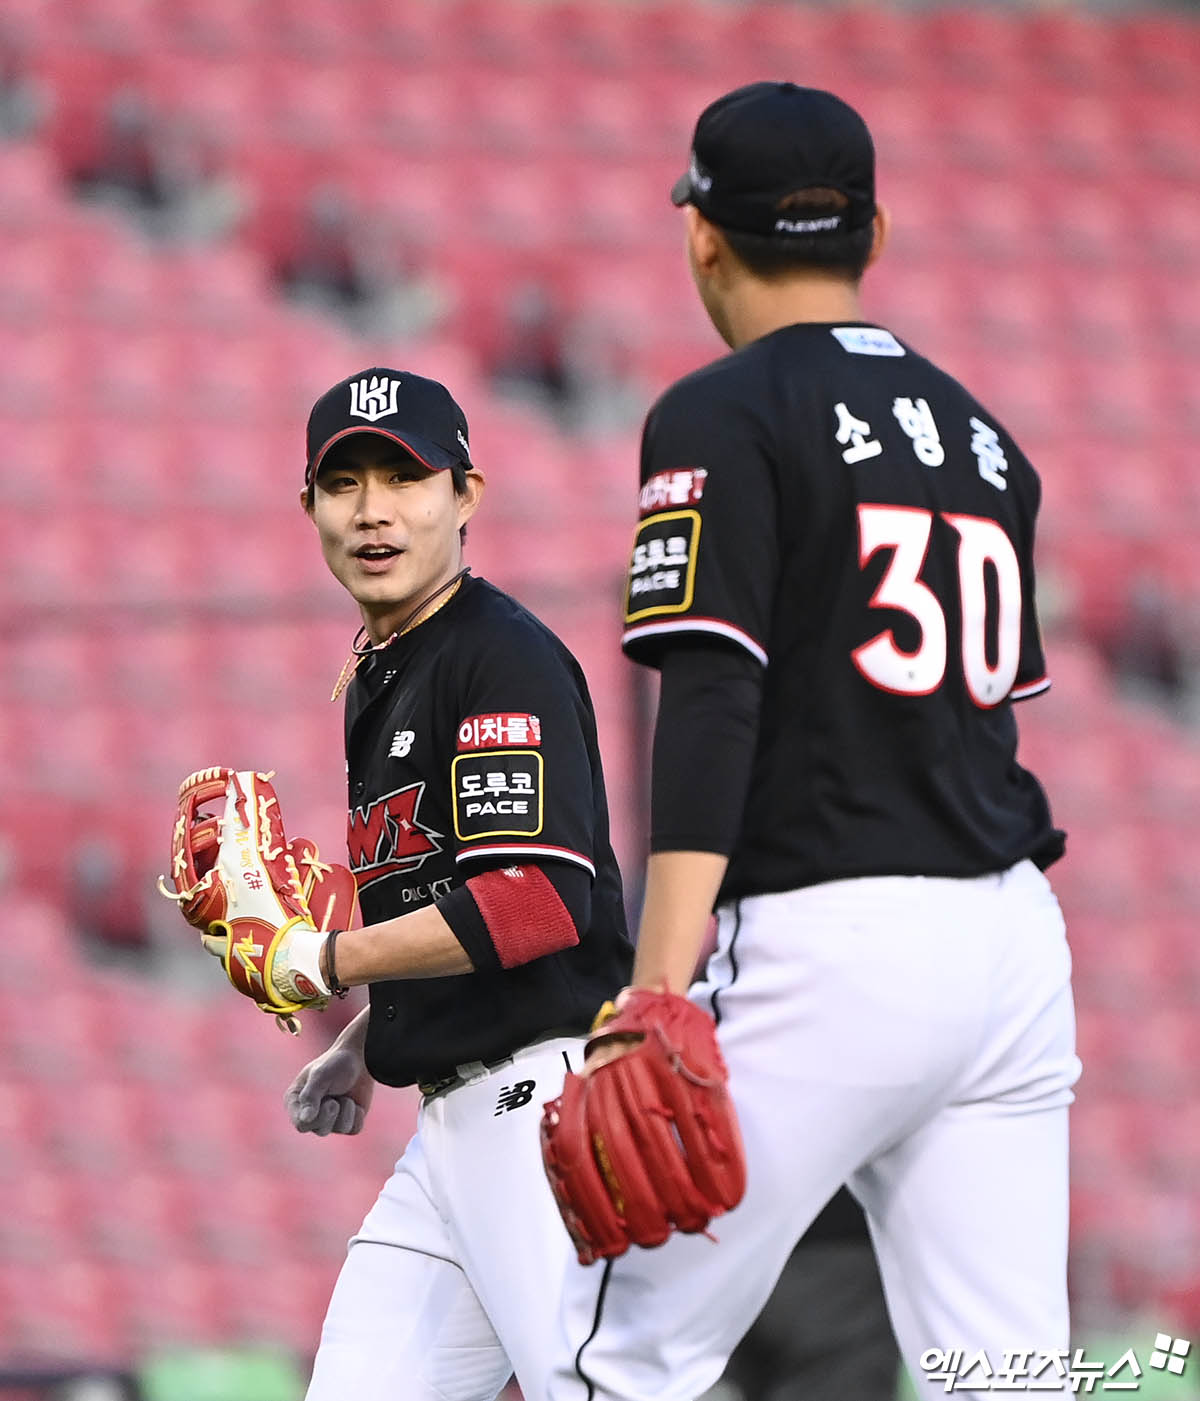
{"x":373,"y":398}
{"x":402,"y":743}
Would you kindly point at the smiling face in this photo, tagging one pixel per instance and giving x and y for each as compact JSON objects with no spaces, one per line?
{"x":389,"y":527}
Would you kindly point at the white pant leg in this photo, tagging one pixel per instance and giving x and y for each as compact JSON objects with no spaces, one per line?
{"x":404,"y":1323}
{"x":850,"y":1015}
{"x":486,"y":1163}
{"x":969,"y":1214}
{"x":969,"y":1221}
{"x":454,"y":1279}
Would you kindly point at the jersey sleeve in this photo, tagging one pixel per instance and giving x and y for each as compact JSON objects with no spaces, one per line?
{"x":521,"y":775}
{"x":705,"y":554}
{"x":1032,"y":675}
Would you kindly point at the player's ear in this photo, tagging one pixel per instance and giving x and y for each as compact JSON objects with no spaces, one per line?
{"x":469,"y":498}
{"x":306,"y":502}
{"x":883,"y":230}
{"x":703,"y":242}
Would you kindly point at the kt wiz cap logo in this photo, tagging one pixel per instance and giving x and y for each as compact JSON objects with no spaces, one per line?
{"x":373,"y":398}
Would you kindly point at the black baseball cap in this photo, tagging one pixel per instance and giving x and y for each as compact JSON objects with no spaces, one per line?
{"x":764,"y":141}
{"x":419,"y":414}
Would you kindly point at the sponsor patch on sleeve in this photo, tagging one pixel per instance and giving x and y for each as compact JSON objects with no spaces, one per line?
{"x":507,"y":731}
{"x":497,"y":793}
{"x":662,"y":572}
{"x":683,"y":486}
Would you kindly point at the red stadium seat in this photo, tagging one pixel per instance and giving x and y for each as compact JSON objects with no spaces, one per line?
{"x":39,"y":364}
{"x":180,"y":1302}
{"x":673,"y":37}
{"x":780,"y":39}
{"x":70,"y":1310}
{"x":310,"y":104}
{"x":592,"y":38}
{"x":318,"y":31}
{"x":1109,"y":1136}
{"x":34,"y":289}
{"x":1072,"y":49}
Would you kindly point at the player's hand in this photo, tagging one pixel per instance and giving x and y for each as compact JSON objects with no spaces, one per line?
{"x":652,"y":1145}
{"x":264,"y":906}
{"x":606,"y":1054}
{"x":331,"y":1094}
{"x":608,"y":1051}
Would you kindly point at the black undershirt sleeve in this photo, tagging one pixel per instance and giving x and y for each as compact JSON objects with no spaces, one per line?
{"x":461,"y":913}
{"x":704,"y":741}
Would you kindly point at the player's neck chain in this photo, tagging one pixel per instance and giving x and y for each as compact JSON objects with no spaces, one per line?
{"x":360,"y":648}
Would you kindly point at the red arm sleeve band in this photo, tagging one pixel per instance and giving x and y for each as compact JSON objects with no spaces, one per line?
{"x":510,"y":916}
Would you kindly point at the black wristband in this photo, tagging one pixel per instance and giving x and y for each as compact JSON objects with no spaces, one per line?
{"x":331,"y":976}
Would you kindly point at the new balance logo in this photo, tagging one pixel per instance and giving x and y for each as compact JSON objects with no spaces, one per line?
{"x":514,"y":1097}
{"x":373,"y":398}
{"x":402,"y":742}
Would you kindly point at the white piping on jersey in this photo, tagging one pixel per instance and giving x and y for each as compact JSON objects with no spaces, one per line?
{"x":559,"y":853}
{"x":698,"y":625}
{"x":1030,"y":688}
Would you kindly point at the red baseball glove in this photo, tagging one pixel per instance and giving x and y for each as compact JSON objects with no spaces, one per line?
{"x":648,"y":1143}
{"x":264,"y":905}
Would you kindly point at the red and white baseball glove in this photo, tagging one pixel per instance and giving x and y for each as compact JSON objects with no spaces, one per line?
{"x":649,"y":1142}
{"x":264,"y":906}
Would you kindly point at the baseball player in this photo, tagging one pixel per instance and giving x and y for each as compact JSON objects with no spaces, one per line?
{"x":833,"y":573}
{"x":478,"y":834}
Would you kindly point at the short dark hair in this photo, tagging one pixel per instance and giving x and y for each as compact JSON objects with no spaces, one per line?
{"x":770,"y":257}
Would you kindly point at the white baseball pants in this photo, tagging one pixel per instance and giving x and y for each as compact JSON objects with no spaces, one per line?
{"x":453,"y":1281}
{"x":913,"y":1037}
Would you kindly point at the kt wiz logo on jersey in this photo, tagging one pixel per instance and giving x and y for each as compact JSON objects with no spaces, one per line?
{"x":387,"y":838}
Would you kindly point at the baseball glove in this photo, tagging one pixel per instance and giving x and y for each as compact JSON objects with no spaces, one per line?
{"x":647,"y":1143}
{"x":264,"y":906}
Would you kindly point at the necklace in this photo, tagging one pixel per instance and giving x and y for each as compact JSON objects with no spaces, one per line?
{"x":360,"y":648}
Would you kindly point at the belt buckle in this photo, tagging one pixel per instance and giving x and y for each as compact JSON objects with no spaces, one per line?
{"x":460,"y":1075}
{"x":431,"y":1088}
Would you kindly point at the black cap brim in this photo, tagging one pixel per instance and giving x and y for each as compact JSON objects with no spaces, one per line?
{"x":428,"y":454}
{"x":681,"y":190}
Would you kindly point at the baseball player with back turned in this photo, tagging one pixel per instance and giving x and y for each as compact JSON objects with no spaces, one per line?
{"x":834,"y":574}
{"x":478,"y":833}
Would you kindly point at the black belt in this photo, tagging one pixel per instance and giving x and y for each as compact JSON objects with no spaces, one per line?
{"x":442,"y":1084}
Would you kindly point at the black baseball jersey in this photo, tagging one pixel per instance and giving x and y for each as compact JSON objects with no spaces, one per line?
{"x":844,"y":511}
{"x":471,"y":744}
